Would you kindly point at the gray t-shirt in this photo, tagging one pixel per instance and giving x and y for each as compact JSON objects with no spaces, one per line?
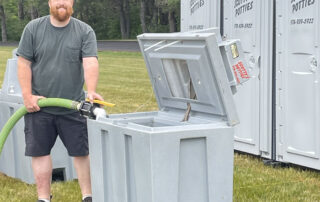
{"x":56,"y":55}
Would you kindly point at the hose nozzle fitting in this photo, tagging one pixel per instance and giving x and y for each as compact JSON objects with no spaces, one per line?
{"x":91,"y":110}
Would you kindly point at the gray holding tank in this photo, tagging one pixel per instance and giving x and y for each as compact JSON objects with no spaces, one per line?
{"x":184,"y":151}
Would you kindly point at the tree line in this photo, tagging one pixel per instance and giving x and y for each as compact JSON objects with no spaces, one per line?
{"x":111,"y":19}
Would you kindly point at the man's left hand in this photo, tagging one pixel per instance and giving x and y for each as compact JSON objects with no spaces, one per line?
{"x":94,"y":96}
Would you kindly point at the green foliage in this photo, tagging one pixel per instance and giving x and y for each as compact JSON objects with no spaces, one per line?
{"x":135,"y":20}
{"x":168,"y":5}
{"x":101,"y":15}
{"x":14,"y":26}
{"x":92,"y":13}
{"x":113,"y":28}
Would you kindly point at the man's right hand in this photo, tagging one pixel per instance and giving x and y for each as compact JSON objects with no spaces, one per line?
{"x":31,"y":102}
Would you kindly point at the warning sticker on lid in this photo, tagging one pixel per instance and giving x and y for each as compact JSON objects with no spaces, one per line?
{"x":240,"y":72}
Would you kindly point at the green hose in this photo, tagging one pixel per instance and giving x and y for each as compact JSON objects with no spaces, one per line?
{"x":46,"y":102}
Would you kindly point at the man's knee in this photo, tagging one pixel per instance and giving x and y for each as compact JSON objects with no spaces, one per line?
{"x":42,"y":166}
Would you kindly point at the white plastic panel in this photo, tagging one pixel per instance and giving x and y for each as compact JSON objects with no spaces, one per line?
{"x":14,"y":163}
{"x":11,"y":91}
{"x":251,"y":22}
{"x":199,"y":14}
{"x":8,"y":157}
{"x":298,"y":89}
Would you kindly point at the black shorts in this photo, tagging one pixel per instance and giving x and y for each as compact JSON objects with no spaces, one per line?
{"x":42,"y":129}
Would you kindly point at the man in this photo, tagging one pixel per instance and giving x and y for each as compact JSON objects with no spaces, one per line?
{"x":57,"y":54}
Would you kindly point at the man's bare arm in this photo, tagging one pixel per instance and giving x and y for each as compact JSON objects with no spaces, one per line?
{"x":25,"y":76}
{"x":91,"y":75}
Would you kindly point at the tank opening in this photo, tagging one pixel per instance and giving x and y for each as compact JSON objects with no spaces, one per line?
{"x":179,"y":79}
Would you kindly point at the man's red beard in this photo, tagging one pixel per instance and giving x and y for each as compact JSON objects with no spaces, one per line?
{"x":61,"y":15}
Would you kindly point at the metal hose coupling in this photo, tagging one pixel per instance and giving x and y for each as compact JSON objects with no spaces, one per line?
{"x":91,"y":110}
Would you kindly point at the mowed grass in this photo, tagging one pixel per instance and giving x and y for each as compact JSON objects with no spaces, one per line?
{"x":125,"y":82}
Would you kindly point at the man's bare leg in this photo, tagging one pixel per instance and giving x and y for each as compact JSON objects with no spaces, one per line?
{"x":42,"y":170}
{"x":82,"y":166}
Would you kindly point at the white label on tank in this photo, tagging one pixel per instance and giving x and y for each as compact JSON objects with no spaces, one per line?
{"x":199,"y":14}
{"x":242,"y":6}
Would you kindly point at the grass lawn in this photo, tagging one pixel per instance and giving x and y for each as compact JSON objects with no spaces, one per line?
{"x":125,"y":82}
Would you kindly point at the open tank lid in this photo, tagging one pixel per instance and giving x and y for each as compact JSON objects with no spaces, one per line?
{"x":188,"y":68}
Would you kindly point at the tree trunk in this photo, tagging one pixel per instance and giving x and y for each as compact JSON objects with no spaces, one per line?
{"x":143,"y":15}
{"x":3,"y":24}
{"x":172,"y":22}
{"x":123,"y":6}
{"x":155,"y":17}
{"x":86,"y":13}
{"x":127,"y":14}
{"x":34,"y":12}
{"x":122,"y":22}
{"x":21,"y":9}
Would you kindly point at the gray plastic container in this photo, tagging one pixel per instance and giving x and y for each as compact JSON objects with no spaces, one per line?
{"x":157,"y":157}
{"x":10,"y":90}
{"x":252,"y":23}
{"x":13,"y":162}
{"x":297,"y":100}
